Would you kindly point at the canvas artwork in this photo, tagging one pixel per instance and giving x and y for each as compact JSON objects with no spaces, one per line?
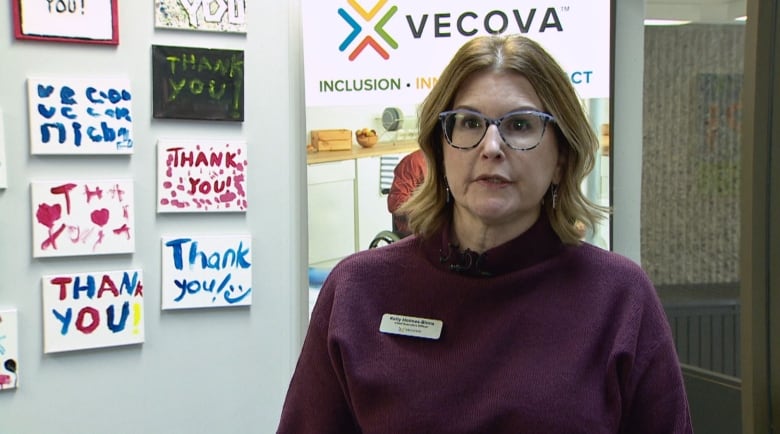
{"x":201,"y":15}
{"x":79,"y":21}
{"x":719,"y":99}
{"x":201,"y":176}
{"x":197,"y":83}
{"x":206,"y":271}
{"x":82,"y":217}
{"x":9,"y":349}
{"x":80,"y":115}
{"x":92,"y":310}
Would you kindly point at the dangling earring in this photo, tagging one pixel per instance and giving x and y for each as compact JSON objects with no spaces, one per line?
{"x":447,"y":189}
{"x":554,"y":193}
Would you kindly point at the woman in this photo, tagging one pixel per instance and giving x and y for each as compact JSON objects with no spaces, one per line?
{"x":495,"y":317}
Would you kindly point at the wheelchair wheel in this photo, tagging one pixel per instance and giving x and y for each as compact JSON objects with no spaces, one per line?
{"x":384,"y":238}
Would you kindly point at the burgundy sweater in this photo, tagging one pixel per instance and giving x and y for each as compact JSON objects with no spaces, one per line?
{"x":537,"y":337}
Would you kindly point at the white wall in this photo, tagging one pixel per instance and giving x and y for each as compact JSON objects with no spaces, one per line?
{"x":199,"y":371}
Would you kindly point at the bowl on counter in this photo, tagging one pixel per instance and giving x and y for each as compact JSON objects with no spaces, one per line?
{"x":367,"y":142}
{"x":366,"y":138}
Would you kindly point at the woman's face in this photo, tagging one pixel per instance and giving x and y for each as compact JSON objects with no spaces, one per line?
{"x":493,"y":185}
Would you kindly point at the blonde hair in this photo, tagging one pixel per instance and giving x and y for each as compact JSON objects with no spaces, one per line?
{"x":428,"y":209}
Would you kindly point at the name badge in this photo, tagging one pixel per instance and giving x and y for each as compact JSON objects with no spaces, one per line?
{"x":410,"y":326}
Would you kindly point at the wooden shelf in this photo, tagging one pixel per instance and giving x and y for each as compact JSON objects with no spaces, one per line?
{"x":381,"y":148}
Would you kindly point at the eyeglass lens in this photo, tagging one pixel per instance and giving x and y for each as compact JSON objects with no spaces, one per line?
{"x":521,"y":130}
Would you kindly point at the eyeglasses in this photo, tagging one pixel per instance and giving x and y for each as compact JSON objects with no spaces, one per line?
{"x":520,"y":130}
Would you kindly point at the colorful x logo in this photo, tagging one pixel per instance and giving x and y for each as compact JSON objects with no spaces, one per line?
{"x":378,"y":28}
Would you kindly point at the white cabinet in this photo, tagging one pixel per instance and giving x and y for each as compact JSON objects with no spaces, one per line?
{"x":331,"y":190}
{"x":347,"y":208}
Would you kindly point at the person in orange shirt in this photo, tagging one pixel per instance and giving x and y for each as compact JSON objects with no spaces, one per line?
{"x":408,"y":174}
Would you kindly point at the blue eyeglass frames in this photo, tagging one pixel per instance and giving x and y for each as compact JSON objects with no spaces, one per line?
{"x":521,"y":130}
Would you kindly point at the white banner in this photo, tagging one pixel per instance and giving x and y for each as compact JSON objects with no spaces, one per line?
{"x":358,"y":52}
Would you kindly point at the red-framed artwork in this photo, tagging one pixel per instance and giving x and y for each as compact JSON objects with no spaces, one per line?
{"x":76,"y":21}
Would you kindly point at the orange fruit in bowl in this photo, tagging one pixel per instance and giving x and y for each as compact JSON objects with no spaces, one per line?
{"x":366,"y":137}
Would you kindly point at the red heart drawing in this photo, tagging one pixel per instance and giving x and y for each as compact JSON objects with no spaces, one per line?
{"x":100,"y":217}
{"x":48,"y":214}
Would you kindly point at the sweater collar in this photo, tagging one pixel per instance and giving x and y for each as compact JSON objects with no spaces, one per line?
{"x":536,"y":244}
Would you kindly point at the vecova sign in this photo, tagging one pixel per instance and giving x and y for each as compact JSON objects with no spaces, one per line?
{"x":438,"y":25}
{"x":470,"y":23}
{"x":357,"y":52}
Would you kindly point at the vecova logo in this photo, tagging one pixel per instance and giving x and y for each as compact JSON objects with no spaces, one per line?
{"x":443,"y":24}
{"x":357,"y":29}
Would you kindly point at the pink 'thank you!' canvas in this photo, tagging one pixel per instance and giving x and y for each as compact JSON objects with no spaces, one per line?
{"x":78,"y":217}
{"x":201,"y":176}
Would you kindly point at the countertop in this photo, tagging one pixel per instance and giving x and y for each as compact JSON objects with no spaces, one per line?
{"x":381,"y":148}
